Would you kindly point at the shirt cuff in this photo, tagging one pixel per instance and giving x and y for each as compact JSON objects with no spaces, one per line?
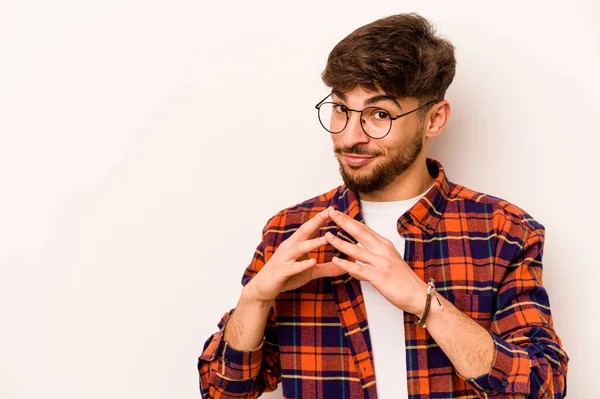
{"x":509,"y":372}
{"x":239,"y":365}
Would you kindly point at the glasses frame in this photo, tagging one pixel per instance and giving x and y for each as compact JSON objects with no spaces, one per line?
{"x":348,"y":110}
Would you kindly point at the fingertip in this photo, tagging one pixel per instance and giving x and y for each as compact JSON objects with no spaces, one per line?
{"x":323,"y":215}
{"x":338,"y":263}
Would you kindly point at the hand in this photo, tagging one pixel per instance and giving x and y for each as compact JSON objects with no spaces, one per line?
{"x":290,"y":266}
{"x":382,"y":265}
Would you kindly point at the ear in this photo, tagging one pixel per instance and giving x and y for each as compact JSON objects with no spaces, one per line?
{"x":437,"y":117}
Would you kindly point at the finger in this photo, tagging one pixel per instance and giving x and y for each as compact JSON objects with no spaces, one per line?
{"x":328,"y":269}
{"x":309,"y":228}
{"x":299,"y":249}
{"x":303,"y":257}
{"x":299,"y":267}
{"x":355,"y":270}
{"x":360,"y":231}
{"x":355,"y":251}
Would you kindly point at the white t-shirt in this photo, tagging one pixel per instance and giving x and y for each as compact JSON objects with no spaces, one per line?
{"x":385,"y":321}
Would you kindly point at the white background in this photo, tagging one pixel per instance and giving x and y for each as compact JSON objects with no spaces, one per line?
{"x":144,"y":144}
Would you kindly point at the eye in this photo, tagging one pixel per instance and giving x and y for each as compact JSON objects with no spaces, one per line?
{"x":340,"y":109}
{"x":380,"y":114}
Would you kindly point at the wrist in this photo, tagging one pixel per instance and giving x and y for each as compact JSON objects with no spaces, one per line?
{"x":419,"y":297}
{"x":430,"y":307}
{"x":249,"y":297}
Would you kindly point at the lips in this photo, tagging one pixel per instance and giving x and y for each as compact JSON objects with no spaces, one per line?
{"x":356,"y":160}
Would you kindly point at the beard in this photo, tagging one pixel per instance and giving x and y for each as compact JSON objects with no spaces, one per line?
{"x":382,"y":175}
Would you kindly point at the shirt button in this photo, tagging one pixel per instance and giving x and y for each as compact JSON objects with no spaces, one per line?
{"x":226,"y":360}
{"x":487,"y":390}
{"x":428,"y":227}
{"x":504,"y":383}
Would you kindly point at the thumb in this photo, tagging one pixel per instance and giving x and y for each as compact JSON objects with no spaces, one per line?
{"x":328,"y":269}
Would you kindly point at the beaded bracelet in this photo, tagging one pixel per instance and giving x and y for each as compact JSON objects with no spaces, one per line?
{"x":430,"y":291}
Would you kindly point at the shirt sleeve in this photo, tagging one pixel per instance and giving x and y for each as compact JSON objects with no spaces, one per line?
{"x":229,"y":373}
{"x":529,"y":358}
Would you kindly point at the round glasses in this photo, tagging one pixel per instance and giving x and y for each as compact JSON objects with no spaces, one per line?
{"x":375,"y":122}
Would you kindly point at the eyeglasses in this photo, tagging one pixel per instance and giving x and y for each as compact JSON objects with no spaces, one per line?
{"x":375,"y":122}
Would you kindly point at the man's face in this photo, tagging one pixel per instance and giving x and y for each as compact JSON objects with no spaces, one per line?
{"x":368,"y":164}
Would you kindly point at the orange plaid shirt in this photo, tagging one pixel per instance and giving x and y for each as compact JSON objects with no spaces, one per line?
{"x":485,"y":255}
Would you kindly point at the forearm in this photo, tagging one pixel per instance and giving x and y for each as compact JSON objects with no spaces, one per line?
{"x":226,"y":371}
{"x":469,"y":346}
{"x":246,"y":327}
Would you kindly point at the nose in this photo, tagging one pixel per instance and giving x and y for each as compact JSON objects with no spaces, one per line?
{"x":354,"y":134}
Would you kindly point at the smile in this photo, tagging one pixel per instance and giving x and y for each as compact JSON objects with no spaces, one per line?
{"x":356,"y":160}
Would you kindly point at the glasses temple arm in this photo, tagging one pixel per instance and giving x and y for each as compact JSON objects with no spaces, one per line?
{"x":321,"y":102}
{"x":410,"y":112}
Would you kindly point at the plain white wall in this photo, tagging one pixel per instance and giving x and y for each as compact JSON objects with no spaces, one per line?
{"x":144,"y":144}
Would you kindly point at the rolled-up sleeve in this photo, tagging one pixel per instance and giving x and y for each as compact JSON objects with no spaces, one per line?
{"x":225,"y":372}
{"x":529,"y":358}
{"x":228,"y":372}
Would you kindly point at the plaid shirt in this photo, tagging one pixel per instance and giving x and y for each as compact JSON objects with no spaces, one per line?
{"x":485,"y":255}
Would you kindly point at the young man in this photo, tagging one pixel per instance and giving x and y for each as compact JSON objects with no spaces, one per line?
{"x":399,"y":283}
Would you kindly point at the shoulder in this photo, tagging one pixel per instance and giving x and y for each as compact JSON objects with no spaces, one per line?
{"x":505,"y":217}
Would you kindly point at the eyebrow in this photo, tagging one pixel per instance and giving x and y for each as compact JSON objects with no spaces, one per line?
{"x":369,"y":101}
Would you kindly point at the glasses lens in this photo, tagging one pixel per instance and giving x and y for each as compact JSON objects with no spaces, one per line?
{"x":333,"y":117}
{"x":376,"y":122}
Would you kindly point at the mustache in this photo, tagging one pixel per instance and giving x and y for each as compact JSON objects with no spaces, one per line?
{"x":357,"y":150}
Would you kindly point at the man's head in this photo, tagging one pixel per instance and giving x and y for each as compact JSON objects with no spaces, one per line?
{"x":398,"y":64}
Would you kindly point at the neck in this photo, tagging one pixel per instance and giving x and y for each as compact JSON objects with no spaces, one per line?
{"x":412,"y":182}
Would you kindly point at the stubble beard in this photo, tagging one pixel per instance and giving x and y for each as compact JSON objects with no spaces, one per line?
{"x":383,"y":174}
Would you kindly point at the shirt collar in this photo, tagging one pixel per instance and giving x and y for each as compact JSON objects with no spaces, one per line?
{"x":422,"y":218}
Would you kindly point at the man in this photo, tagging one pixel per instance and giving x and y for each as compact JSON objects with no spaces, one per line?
{"x":399,"y":283}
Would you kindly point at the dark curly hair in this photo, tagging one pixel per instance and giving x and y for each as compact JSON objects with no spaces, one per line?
{"x":400,"y":54}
